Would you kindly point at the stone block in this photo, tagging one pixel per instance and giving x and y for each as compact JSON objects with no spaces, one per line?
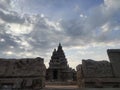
{"x":114,"y":56}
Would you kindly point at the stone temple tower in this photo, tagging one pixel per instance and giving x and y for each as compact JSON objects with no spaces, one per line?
{"x":59,"y":69}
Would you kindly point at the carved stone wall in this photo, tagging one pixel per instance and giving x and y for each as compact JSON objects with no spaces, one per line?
{"x":96,"y":69}
{"x":100,"y":74}
{"x":22,"y":73}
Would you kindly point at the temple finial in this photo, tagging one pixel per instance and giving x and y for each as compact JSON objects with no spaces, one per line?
{"x":59,"y":43}
{"x":54,"y":50}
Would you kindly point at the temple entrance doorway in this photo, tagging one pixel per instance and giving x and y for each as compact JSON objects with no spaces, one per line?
{"x":55,"y":74}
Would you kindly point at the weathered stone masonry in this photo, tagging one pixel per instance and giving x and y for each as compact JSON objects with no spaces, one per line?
{"x":59,"y":69}
{"x":22,"y":73}
{"x":100,"y":73}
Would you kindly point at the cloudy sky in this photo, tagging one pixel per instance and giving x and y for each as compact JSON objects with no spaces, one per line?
{"x":33,"y":28}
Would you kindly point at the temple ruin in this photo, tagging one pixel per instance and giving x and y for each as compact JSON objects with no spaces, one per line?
{"x":59,"y":69}
{"x":100,"y":74}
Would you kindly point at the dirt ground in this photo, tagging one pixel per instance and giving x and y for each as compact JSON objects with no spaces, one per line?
{"x":74,"y":87}
{"x":54,"y":87}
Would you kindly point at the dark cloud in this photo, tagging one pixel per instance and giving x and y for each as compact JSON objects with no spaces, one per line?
{"x":11,"y":18}
{"x":5,"y":4}
{"x":73,"y":27}
{"x":44,"y":36}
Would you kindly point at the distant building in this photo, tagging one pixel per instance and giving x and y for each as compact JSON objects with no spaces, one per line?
{"x":59,"y":69}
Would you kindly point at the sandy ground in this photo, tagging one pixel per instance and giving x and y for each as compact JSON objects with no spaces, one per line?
{"x":54,"y":87}
{"x":74,"y":87}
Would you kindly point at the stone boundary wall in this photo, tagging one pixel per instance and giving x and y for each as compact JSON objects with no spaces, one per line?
{"x":100,"y":74}
{"x":22,"y":73}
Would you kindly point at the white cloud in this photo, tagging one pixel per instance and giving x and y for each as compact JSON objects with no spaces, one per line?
{"x":105,"y":27}
{"x":8,"y":53}
{"x":53,"y":24}
{"x":42,"y":15}
{"x":23,"y":43}
{"x":2,"y":40}
{"x":81,"y":15}
{"x":18,"y":29}
{"x":115,"y":4}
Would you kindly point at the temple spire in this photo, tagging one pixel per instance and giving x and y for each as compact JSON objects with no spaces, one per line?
{"x":54,"y":50}
{"x":60,"y":51}
{"x":54,"y":55}
{"x":60,"y":44}
{"x":60,"y":47}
